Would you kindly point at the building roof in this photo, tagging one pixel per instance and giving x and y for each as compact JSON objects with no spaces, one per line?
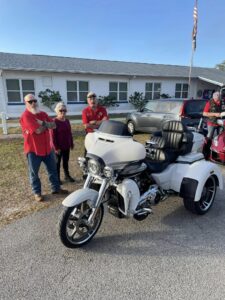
{"x":45,"y":63}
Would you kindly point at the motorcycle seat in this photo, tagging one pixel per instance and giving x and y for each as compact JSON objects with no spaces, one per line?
{"x":175,"y":140}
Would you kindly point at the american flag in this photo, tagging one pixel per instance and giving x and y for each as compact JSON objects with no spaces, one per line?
{"x":194,"y":31}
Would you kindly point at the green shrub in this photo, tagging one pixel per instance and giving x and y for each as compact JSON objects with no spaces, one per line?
{"x":107,"y":101}
{"x":138,"y":100}
{"x":49,"y":98}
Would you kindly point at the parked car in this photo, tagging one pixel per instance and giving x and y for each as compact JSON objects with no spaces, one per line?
{"x":157,"y":112}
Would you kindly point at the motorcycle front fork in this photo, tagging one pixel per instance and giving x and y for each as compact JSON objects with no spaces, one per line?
{"x":101,"y":192}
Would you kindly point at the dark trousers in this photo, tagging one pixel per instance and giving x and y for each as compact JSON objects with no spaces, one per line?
{"x":64,"y":155}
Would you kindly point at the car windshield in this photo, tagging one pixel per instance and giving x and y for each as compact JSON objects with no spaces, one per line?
{"x":165,"y":106}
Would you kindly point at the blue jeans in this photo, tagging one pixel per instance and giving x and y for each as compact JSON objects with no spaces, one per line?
{"x":34,"y":162}
{"x":212,"y":130}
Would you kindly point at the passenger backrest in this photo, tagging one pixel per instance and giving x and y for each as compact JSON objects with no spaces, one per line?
{"x":173,"y":134}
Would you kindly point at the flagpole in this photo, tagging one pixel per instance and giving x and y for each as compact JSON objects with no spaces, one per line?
{"x":194,"y":34}
{"x":190,"y":69}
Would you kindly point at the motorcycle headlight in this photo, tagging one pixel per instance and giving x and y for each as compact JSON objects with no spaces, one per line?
{"x":94,"y":167}
{"x":108,"y":172}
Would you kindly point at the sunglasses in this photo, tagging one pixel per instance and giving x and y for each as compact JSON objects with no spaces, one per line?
{"x":32,"y":101}
{"x":62,"y":110}
{"x":92,"y":97}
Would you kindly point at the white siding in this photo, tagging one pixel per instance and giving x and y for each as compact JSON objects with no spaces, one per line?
{"x":97,"y":83}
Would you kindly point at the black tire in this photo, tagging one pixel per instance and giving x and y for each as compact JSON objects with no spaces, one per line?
{"x":131,"y":127}
{"x":207,"y":198}
{"x":76,"y":224}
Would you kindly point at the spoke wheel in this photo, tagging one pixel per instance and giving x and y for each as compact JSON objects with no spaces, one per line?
{"x":208,"y":195}
{"x":207,"y":198}
{"x":74,"y":229}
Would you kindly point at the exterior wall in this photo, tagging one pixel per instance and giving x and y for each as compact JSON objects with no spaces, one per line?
{"x":97,"y":83}
{"x":2,"y":97}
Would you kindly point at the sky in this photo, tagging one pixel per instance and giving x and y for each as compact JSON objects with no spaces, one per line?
{"x":148,"y":31}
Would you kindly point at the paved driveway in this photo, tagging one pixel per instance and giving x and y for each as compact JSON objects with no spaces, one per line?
{"x":173,"y":254}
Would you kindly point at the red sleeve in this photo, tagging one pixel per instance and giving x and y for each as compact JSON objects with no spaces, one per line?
{"x":207,"y":107}
{"x":105,"y":114}
{"x":29,"y":123}
{"x":54,"y":138}
{"x":84,"y":117}
{"x":47,"y":118}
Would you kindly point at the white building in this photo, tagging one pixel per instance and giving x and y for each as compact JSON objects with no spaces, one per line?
{"x":21,"y":74}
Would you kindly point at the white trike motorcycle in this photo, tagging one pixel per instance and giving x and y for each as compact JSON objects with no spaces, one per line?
{"x":131,"y":178}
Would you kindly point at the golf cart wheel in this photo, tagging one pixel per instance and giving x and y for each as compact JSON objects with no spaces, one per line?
{"x":207,"y":198}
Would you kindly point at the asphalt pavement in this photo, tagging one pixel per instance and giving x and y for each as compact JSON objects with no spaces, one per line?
{"x":173,"y":254}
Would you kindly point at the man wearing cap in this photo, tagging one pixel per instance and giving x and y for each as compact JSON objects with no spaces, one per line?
{"x":212,"y":111}
{"x":36,"y":127}
{"x":93,"y":114}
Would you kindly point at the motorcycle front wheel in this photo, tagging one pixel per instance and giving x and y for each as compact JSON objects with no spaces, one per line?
{"x":74,"y":230}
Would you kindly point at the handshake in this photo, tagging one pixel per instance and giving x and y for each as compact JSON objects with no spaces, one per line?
{"x":222,"y":114}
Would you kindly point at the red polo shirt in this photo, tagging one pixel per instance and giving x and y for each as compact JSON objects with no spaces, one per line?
{"x":207,"y":109}
{"x":40,"y":144}
{"x":89,"y":114}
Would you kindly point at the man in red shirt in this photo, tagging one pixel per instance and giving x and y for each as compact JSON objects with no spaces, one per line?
{"x":93,"y":114}
{"x":35,"y":126}
{"x":212,"y":110}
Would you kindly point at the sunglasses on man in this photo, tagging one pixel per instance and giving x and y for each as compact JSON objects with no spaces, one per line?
{"x":32,"y":101}
{"x":62,"y":110}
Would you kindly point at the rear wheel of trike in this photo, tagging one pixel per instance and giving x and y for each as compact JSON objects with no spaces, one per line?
{"x":207,"y":198}
{"x":74,"y":230}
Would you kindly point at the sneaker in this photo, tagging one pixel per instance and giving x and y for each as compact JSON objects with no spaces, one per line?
{"x":60,"y":192}
{"x":69,"y":179}
{"x":38,"y":197}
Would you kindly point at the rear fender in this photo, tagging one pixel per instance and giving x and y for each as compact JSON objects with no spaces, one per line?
{"x":195,"y":178}
{"x":80,"y":196}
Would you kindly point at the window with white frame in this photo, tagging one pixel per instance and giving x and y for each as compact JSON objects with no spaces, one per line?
{"x":18,"y":88}
{"x":118,"y":90}
{"x":152,"y":90}
{"x":77,"y":91}
{"x":181,"y":90}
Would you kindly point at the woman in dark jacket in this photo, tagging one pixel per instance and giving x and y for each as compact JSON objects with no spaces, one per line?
{"x":62,"y":140}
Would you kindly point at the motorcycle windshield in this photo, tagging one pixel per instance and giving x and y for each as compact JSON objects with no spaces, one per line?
{"x":114,"y":127}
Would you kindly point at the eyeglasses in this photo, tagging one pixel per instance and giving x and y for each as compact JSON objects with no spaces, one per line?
{"x":62,"y":110}
{"x":32,"y":101}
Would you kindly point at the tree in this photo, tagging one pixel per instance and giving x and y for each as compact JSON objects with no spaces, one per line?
{"x":221,"y":66}
{"x":49,"y":98}
{"x":138,"y":100}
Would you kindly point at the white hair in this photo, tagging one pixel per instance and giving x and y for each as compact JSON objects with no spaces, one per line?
{"x":59,"y":105}
{"x":215,"y":94}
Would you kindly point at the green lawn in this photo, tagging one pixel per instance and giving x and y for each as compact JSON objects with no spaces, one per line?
{"x":16,"y":197}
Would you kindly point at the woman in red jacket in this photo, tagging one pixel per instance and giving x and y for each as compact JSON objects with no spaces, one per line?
{"x":62,"y":140}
